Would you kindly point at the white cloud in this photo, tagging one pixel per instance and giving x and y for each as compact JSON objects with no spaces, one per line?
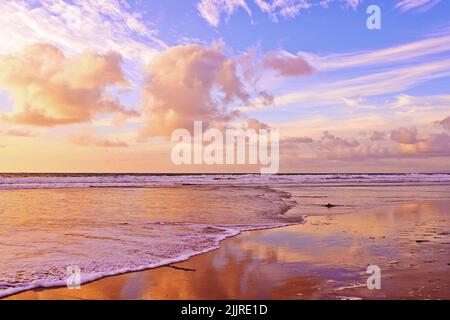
{"x":401,"y":53}
{"x":398,"y":69}
{"x":88,"y":138}
{"x":422,"y":5}
{"x":213,"y":10}
{"x":333,"y":93}
{"x":284,"y":8}
{"x":77,"y":26}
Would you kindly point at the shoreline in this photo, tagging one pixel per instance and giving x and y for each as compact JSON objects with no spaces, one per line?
{"x":325,"y":258}
{"x":168,"y":263}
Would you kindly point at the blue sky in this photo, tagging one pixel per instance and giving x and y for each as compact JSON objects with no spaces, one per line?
{"x":335,"y":29}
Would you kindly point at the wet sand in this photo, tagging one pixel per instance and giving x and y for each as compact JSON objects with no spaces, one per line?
{"x":324,"y":258}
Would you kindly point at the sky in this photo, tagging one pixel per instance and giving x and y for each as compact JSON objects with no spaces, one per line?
{"x":99,"y":86}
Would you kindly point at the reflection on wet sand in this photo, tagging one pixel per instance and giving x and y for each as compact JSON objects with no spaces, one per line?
{"x":325,"y":258}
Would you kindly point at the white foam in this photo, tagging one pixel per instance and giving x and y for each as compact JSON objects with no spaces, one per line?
{"x":226,"y":232}
{"x":17,"y":181}
{"x":91,"y":276}
{"x":109,"y":232}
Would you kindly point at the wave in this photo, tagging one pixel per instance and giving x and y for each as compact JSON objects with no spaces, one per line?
{"x":114,"y":231}
{"x":56,"y":279}
{"x":56,"y":181}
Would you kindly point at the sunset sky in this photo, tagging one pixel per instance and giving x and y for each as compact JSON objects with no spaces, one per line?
{"x":99,"y":86}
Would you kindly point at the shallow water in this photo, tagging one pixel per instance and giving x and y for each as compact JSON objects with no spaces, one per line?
{"x":324,"y":258}
{"x":106,"y":231}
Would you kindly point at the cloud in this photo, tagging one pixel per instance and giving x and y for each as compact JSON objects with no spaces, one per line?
{"x":284,"y":8}
{"x":404,"y":135}
{"x":377,"y":136}
{"x":329,"y":141}
{"x":193,"y":82}
{"x":421,"y":5}
{"x":404,"y":143}
{"x":50,"y":89}
{"x":356,"y":153}
{"x":404,"y":100}
{"x":213,"y":10}
{"x":255,"y":124}
{"x":445,"y":123}
{"x":332,"y":147}
{"x":77,"y":26}
{"x":294,"y":142}
{"x":253,"y":66}
{"x":361,"y":87}
{"x":18,"y":133}
{"x":287,"y":64}
{"x":87,"y":138}
{"x":433,"y":145}
{"x":352,"y":102}
{"x":400,"y":53}
{"x":187,"y":83}
{"x":266,"y":98}
{"x":378,"y":73}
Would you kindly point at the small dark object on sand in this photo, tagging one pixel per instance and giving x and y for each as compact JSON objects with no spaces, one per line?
{"x":180,"y":268}
{"x":421,"y":241}
{"x":329,"y":205}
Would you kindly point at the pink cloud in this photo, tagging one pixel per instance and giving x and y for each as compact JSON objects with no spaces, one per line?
{"x":403,"y":144}
{"x":287,"y":64}
{"x":377,"y":136}
{"x":292,"y":143}
{"x":445,"y":123}
{"x":19,"y":133}
{"x":187,"y":83}
{"x":256,"y":124}
{"x":193,"y":82}
{"x":404,"y":135}
{"x":50,"y":89}
{"x":331,"y":141}
{"x":87,"y":138}
{"x":433,"y":145}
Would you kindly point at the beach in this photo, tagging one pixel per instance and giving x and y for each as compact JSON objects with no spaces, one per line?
{"x":325,"y":258}
{"x":296,"y":248}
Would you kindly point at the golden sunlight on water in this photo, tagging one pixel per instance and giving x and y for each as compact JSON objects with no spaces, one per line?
{"x":106,"y":231}
{"x":326,"y":258}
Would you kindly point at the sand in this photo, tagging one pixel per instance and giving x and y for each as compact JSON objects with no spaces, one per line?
{"x":324,"y":258}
